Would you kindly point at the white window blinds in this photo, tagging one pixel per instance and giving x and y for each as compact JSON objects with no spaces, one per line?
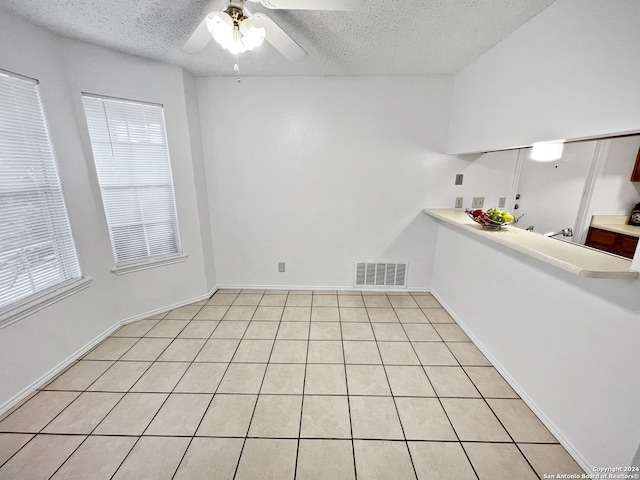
{"x":37,"y":251}
{"x":132,"y":160}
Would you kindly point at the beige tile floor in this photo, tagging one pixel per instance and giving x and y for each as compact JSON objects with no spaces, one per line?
{"x":282,"y":385}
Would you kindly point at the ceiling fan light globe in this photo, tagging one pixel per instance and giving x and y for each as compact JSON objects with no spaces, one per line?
{"x":235,"y":47}
{"x":223,"y":38}
{"x":246,"y":26}
{"x":252,"y":36}
{"x":220,"y":25}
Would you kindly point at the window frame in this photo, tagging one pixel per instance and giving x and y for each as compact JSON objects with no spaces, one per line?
{"x":54,"y":211}
{"x":129,"y":265}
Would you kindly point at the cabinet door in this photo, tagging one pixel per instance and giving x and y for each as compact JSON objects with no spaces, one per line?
{"x":611,"y":242}
{"x":601,"y":239}
{"x":635,"y":175}
{"x":627,"y":246}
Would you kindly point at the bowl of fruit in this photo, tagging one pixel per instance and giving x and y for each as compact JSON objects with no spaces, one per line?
{"x":492,"y":219}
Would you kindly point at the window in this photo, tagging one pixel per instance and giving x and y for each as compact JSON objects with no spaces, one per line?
{"x":132,"y":160}
{"x":37,"y":252}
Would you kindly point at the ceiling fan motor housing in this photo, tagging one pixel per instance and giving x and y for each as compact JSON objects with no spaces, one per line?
{"x":236,"y":14}
{"x":238,"y":29}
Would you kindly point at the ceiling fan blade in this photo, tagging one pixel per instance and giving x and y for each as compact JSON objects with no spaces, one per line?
{"x":199,"y":39}
{"x":279,"y":39}
{"x":338,"y":5}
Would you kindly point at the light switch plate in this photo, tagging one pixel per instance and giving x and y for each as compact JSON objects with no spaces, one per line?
{"x":458,"y":179}
{"x":459,"y":201}
{"x":502,"y":202}
{"x":281,"y":267}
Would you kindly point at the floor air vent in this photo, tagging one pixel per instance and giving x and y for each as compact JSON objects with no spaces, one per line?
{"x":381,"y":274}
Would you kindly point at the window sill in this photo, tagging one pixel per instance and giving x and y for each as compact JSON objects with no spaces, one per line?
{"x":42,"y":300}
{"x":124,"y":269}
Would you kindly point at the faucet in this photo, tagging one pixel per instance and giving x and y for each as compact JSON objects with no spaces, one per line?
{"x":565,"y":232}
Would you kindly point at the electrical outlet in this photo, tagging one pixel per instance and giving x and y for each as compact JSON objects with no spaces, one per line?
{"x":478,"y":202}
{"x":502,"y":201}
{"x":281,"y":267}
{"x":458,"y":179}
{"x":459,"y":202}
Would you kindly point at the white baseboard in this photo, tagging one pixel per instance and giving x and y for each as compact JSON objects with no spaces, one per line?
{"x":571,"y":449}
{"x":55,"y":371}
{"x":168,"y":307}
{"x":311,"y":287}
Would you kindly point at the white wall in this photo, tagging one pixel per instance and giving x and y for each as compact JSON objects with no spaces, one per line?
{"x":569,"y":344}
{"x":613,"y":192}
{"x":490,"y":175}
{"x":323,"y":172}
{"x":32,"y":347}
{"x":570,"y":72}
{"x":551,"y":192}
{"x":200,"y":178}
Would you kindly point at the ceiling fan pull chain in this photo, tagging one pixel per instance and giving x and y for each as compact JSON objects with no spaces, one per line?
{"x":236,"y":67}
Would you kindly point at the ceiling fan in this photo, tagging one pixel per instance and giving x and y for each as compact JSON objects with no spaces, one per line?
{"x":238,"y":30}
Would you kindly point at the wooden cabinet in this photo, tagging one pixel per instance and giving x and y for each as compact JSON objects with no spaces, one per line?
{"x":612,"y":242}
{"x":635,"y":175}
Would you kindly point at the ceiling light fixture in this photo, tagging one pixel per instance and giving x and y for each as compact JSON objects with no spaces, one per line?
{"x":234,"y":31}
{"x":547,"y":151}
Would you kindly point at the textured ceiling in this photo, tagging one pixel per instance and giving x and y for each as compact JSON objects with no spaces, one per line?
{"x":389,"y":37}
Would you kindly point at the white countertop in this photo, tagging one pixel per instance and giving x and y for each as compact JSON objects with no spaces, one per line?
{"x":615,"y":223}
{"x":572,"y":258}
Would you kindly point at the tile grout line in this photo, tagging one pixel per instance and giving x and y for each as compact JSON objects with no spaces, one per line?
{"x":115,"y":405}
{"x":217,"y":386}
{"x":304,"y":383}
{"x":235,"y":473}
{"x":513,"y":441}
{"x":314,"y":339}
{"x":438,"y":396}
{"x":192,"y":362}
{"x":216,"y":389}
{"x":393,"y":398}
{"x":159,"y":435}
{"x":482,"y":397}
{"x":34,"y":435}
{"x":346,"y":379}
{"x":141,"y":436}
{"x":173,"y":389}
{"x":23,"y":432}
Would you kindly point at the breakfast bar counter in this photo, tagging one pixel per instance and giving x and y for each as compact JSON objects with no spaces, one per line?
{"x":572,"y":258}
